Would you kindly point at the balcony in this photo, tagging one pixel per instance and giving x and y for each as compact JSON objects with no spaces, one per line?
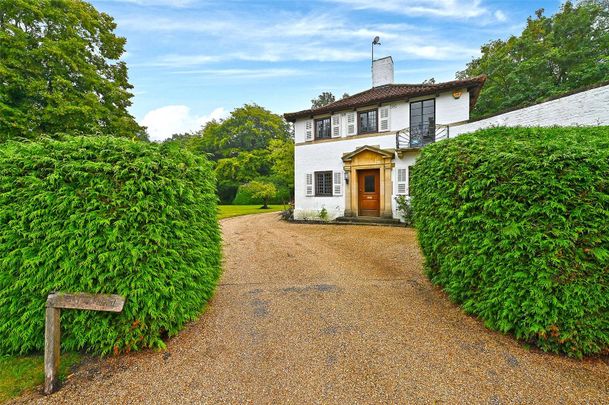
{"x":415,"y":138}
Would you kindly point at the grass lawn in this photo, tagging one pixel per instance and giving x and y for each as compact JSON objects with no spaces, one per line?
{"x":20,"y":373}
{"x":227,"y":211}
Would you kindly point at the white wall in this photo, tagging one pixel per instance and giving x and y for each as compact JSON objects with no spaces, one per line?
{"x":588,"y":108}
{"x":322,"y":156}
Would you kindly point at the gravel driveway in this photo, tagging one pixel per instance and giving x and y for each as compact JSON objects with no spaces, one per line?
{"x":333,"y":314}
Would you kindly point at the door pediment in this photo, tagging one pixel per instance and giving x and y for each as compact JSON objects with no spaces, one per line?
{"x":368,"y":155}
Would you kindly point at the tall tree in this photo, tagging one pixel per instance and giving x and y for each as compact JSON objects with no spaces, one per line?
{"x":251,"y":144}
{"x":60,"y":71}
{"x":323,"y":99}
{"x":551,"y":56}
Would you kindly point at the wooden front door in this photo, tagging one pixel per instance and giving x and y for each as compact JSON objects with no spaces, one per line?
{"x":369,"y":192}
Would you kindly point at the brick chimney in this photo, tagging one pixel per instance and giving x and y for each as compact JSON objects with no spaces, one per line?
{"x":382,"y":71}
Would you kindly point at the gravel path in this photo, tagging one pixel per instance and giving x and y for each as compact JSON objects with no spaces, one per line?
{"x":299,"y":318}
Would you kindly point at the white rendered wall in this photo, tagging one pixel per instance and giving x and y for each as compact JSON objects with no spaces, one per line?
{"x":322,"y":156}
{"x":588,"y":108}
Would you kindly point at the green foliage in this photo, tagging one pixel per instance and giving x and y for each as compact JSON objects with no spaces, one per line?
{"x":244,"y":196}
{"x":251,"y":144}
{"x":104,"y":215}
{"x":323,"y":214}
{"x":261,"y":190}
{"x":514,"y":224}
{"x":404,"y":209}
{"x":323,"y":99}
{"x":60,"y":70}
{"x":552,"y":56}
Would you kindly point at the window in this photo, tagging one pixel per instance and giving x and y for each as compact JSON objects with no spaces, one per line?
{"x":323,"y":184}
{"x":323,"y":129}
{"x":422,"y":122}
{"x":367,"y":122}
{"x":369,"y":184}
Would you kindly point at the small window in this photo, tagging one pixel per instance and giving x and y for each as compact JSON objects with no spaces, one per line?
{"x":323,"y":129}
{"x":323,"y":184}
{"x":369,"y":184}
{"x":367,"y":122}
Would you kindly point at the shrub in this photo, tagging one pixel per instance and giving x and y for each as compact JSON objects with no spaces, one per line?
{"x":261,"y":190}
{"x":244,"y":196}
{"x":514,"y":224}
{"x":404,"y":209}
{"x":104,"y":215}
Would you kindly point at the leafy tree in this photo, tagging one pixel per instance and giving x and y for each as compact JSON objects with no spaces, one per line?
{"x":282,"y":160}
{"x":60,"y":71}
{"x":551,"y":56}
{"x":345,"y":95}
{"x":323,"y":99}
{"x":262,"y":190}
{"x":251,"y":144}
{"x":429,"y":81}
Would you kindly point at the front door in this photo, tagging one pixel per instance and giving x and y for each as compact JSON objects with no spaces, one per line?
{"x":369,"y":191}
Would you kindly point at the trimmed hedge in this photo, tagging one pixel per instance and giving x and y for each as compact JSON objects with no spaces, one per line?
{"x":104,"y":215}
{"x":514,"y":225}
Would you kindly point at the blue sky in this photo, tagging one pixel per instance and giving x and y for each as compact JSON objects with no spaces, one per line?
{"x":193,"y":60}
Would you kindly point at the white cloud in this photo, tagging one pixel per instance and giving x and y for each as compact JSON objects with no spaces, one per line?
{"x":500,"y":16}
{"x":174,"y":119}
{"x":433,"y":8}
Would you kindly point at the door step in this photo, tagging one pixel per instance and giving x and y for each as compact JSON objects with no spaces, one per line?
{"x":369,"y":220}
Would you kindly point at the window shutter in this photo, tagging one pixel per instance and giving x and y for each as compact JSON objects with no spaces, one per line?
{"x":338,"y":183}
{"x":401,"y":182}
{"x":309,"y":130}
{"x":336,"y":126}
{"x":309,"y":184}
{"x":384,"y":119}
{"x":351,"y":127}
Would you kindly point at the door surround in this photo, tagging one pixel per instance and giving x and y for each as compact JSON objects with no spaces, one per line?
{"x":369,"y":157}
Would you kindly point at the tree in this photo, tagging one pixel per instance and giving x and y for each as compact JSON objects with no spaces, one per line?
{"x":345,"y":95}
{"x":551,"y":56}
{"x":251,"y":144}
{"x":282,"y":158}
{"x":429,"y":81}
{"x":60,"y":71}
{"x":323,"y":99}
{"x":261,"y":190}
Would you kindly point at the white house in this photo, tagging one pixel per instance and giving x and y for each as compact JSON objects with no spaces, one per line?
{"x":353,"y":156}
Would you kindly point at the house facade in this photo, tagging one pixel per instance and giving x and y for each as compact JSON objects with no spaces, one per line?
{"x":353,"y":156}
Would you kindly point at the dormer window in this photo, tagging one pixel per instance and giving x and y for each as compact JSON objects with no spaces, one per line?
{"x":323,"y":128}
{"x":367,"y":122}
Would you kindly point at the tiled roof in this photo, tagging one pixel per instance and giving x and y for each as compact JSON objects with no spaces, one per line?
{"x":393,"y":92}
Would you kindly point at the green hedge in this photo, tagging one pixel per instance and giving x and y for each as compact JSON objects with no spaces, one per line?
{"x":104,"y":215}
{"x":514,"y":224}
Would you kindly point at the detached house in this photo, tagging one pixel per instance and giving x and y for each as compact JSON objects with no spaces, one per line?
{"x":353,"y":156}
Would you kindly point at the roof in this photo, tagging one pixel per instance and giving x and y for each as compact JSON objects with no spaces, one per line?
{"x":393,"y":92}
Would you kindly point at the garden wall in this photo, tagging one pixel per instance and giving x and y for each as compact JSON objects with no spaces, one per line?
{"x":585,"y":108}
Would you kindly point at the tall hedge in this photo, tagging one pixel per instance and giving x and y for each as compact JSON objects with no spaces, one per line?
{"x":514,"y":225}
{"x":104,"y":215}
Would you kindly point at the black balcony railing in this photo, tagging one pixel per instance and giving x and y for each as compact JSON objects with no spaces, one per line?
{"x":419,"y":136}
